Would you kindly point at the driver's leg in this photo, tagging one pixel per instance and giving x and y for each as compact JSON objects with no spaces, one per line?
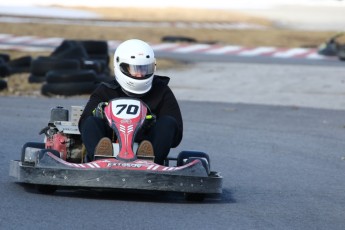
{"x":92,"y":131}
{"x":163,"y":136}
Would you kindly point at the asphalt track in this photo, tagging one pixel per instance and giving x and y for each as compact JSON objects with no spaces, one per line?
{"x":283,"y":168}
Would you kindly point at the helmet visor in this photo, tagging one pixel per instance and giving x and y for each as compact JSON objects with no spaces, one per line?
{"x":138,"y":71}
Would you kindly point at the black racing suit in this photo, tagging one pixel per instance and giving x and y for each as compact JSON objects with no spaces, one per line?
{"x":166,"y":133}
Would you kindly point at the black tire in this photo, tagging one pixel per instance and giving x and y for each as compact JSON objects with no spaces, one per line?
{"x":36,"y":79}
{"x":65,"y":45}
{"x":5,"y":57}
{"x":99,"y":66}
{"x":20,"y":65}
{"x":3,"y":85}
{"x":77,"y":52}
{"x":42,"y":65}
{"x":178,"y":39}
{"x":65,"y":76}
{"x":68,"y":89}
{"x":102,"y":58}
{"x":4,"y":70}
{"x":95,"y":47}
{"x":104,"y":78}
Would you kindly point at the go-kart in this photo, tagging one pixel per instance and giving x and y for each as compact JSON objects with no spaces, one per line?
{"x":59,"y":161}
{"x":333,"y":47}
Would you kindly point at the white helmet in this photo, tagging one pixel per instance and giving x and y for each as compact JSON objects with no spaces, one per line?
{"x":134,"y":66}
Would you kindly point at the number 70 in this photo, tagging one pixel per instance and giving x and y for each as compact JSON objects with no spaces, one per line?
{"x":131,"y":109}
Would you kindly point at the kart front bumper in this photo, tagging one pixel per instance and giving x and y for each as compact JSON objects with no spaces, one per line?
{"x":116,"y":179}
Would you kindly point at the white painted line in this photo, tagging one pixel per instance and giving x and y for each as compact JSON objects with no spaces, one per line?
{"x":257,"y":51}
{"x":290,"y":53}
{"x":5,"y":36}
{"x":45,"y":41}
{"x":191,"y":48}
{"x":22,"y":39}
{"x":316,"y":56}
{"x":24,"y":48}
{"x":224,"y":49}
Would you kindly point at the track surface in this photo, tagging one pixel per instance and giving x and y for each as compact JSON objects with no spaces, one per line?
{"x":282,"y":169}
{"x":283,"y":166}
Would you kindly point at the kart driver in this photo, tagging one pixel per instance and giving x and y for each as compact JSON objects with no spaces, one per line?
{"x":134,"y":68}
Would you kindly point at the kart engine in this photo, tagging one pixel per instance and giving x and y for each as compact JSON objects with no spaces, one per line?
{"x":62,"y":134}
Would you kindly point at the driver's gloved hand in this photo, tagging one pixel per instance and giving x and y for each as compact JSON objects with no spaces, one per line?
{"x":99,"y":110}
{"x":150,"y":120}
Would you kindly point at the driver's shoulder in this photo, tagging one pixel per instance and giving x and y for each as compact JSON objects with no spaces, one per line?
{"x":160,"y":80}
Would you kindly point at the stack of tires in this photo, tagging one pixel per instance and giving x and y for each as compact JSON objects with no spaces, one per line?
{"x":73,"y":68}
{"x":9,"y":67}
{"x":68,"y":83}
{"x":4,"y":70}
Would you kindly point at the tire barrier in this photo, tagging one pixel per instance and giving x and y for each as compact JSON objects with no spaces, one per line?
{"x":4,"y":70}
{"x":20,"y":65}
{"x":3,"y":84}
{"x":68,"y":89}
{"x":42,"y":65}
{"x":61,"y":76}
{"x":4,"y":57}
{"x":178,"y":39}
{"x":74,"y":67}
